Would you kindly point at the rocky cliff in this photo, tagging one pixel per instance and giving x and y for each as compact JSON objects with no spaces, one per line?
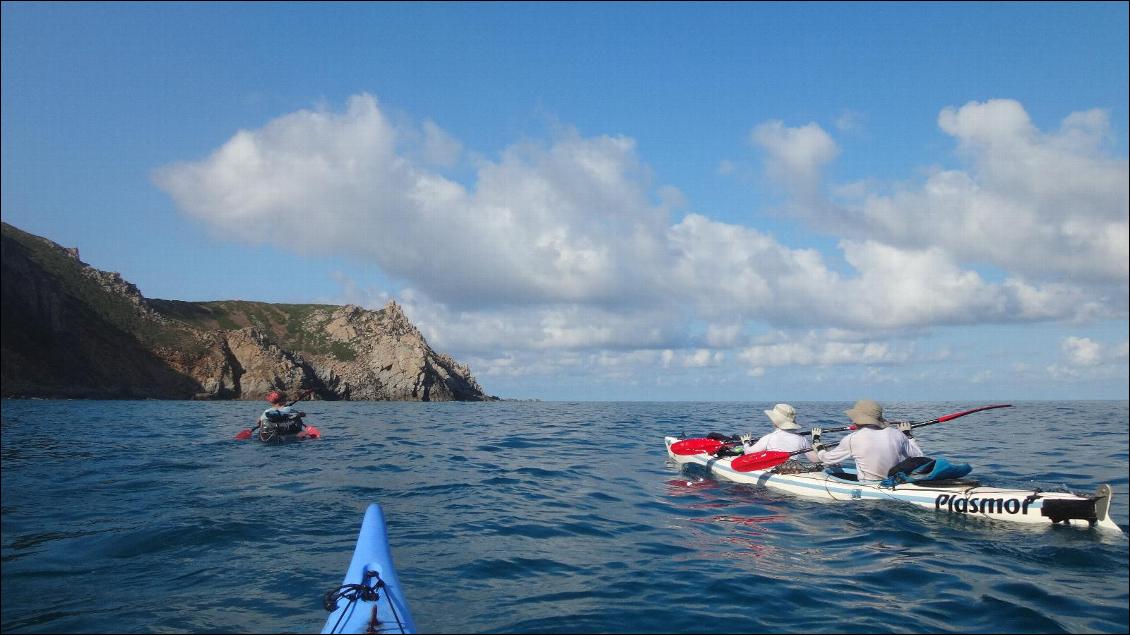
{"x":70,"y":330}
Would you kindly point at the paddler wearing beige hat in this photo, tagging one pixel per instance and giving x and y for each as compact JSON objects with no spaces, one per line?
{"x":874,"y":445}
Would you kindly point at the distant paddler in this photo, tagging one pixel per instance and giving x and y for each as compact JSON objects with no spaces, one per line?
{"x":280,"y":419}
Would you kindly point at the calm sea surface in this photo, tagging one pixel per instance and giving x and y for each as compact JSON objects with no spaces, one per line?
{"x":535,"y":517}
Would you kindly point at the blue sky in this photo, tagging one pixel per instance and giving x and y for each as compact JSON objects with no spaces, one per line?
{"x":738,"y":201}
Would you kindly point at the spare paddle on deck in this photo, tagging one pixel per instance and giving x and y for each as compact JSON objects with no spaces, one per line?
{"x":767,"y":459}
{"x":245,"y":433}
{"x":687,"y":447}
{"x":698,"y":445}
{"x":710,"y":444}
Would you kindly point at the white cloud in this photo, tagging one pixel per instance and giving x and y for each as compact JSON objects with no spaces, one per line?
{"x":541,"y":328}
{"x":899,"y":287}
{"x":1039,"y":205}
{"x":440,"y":148}
{"x":814,"y":350}
{"x":722,"y":335}
{"x":796,"y":156}
{"x":725,"y":269}
{"x":570,"y":222}
{"x":703,"y":357}
{"x":1089,"y":360}
{"x":1082,"y":351}
{"x":1048,"y":209}
{"x":557,"y":256}
{"x":1086,"y":352}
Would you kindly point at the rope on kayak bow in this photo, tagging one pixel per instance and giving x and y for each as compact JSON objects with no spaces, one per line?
{"x":367,"y":591}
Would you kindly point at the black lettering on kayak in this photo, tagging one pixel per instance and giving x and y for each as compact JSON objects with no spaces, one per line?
{"x":959,"y":505}
{"x":992,"y":505}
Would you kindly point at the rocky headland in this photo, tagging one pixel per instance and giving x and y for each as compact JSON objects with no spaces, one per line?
{"x":72,"y":331}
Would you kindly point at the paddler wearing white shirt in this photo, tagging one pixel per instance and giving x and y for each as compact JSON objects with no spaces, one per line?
{"x":784,"y":438}
{"x":875,"y":446}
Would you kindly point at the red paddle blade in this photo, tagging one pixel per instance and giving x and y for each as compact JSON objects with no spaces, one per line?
{"x":243,"y":434}
{"x":759,"y":460}
{"x":968,"y":412}
{"x":687,"y":447}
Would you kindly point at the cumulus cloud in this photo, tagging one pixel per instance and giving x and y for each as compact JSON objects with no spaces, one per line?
{"x":1086,"y":352}
{"x":1082,"y":351}
{"x":723,"y":335}
{"x":723,"y":268}
{"x":543,"y":328}
{"x":796,"y":156}
{"x":1049,"y":209}
{"x":816,"y":349}
{"x":702,"y":357}
{"x":568,"y":246}
{"x":726,"y":269}
{"x":565,"y":223}
{"x":438,"y":147}
{"x":1042,"y":206}
{"x":1086,"y":360}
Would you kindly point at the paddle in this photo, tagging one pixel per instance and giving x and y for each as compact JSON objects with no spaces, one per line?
{"x":246,"y":432}
{"x":697,"y":445}
{"x":767,"y":459}
{"x":687,"y":447}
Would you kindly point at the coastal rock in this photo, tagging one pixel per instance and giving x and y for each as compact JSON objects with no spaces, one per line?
{"x":258,"y":366}
{"x":383,"y":356}
{"x":74,"y":331}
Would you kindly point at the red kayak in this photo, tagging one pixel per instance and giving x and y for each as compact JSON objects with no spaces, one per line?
{"x":268,"y":436}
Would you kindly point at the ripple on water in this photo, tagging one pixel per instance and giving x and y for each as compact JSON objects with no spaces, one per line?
{"x":524,"y":525}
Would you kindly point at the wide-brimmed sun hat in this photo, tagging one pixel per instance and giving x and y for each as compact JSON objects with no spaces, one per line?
{"x":866,"y":412}
{"x":783,"y":416}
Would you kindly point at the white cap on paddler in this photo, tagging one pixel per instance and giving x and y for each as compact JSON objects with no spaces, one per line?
{"x":866,"y":412}
{"x":783,"y":417}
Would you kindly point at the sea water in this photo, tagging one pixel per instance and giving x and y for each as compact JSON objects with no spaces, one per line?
{"x":147,"y":516}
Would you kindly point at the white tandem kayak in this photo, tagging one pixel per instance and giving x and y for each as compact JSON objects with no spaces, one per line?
{"x":961,"y":496}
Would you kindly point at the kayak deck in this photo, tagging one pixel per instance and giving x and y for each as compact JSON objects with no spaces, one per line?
{"x":370,"y":599}
{"x":955,"y":497}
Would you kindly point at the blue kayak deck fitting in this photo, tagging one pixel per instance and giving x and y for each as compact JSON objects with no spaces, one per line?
{"x":370,"y":583}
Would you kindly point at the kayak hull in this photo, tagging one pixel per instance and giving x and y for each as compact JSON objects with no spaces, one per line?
{"x":967,"y":498}
{"x":309,"y":432}
{"x":372,"y":560}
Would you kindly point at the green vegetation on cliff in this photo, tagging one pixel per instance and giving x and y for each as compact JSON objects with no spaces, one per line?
{"x":295,"y":327}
